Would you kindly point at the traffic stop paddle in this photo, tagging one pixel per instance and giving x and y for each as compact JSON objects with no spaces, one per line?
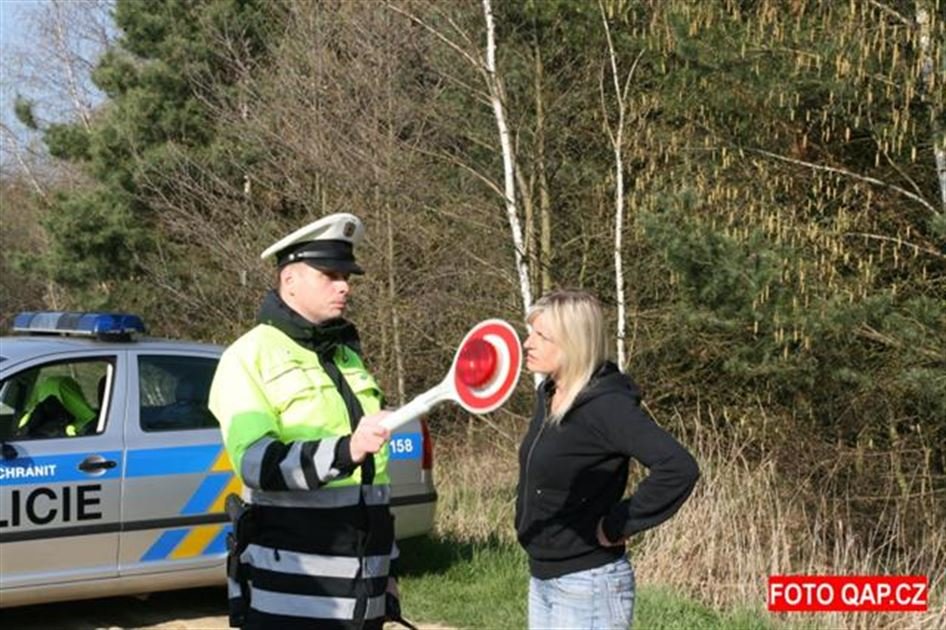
{"x":485,"y":370}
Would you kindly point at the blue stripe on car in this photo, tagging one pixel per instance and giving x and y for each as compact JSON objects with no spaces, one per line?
{"x":165,"y":545}
{"x":177,"y":460}
{"x":219,"y":543}
{"x":48,"y":469}
{"x":208,"y":492}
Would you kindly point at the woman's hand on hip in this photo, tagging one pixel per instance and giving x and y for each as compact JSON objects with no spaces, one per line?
{"x":603,"y":540}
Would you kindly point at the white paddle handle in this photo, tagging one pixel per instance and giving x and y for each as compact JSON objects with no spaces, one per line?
{"x":417,"y":407}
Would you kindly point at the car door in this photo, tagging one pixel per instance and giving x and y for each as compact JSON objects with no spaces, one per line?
{"x":410,"y":466}
{"x":177,"y":474}
{"x":60,"y":510}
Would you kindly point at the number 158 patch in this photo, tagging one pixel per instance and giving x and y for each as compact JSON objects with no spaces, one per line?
{"x":405,"y":446}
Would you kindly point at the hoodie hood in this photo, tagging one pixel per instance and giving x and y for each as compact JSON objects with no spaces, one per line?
{"x":607,"y":379}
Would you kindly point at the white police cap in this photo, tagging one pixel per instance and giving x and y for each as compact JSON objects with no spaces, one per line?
{"x":327,"y":243}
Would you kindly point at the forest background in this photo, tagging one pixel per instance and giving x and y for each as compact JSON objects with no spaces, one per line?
{"x":755,"y":189}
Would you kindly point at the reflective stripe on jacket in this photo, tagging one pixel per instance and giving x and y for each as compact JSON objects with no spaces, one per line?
{"x":268,"y":388}
{"x":322,"y":541}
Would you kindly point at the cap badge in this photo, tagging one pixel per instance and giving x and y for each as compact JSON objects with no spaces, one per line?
{"x":349,"y":229}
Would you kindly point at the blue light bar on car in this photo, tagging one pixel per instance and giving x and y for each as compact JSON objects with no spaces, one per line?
{"x":80,"y":324}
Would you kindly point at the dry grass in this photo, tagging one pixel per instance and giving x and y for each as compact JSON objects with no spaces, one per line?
{"x":745,"y":521}
{"x":476,"y":484}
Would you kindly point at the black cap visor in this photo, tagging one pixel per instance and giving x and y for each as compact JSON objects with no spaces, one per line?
{"x":325,"y":255}
{"x":328,"y":264}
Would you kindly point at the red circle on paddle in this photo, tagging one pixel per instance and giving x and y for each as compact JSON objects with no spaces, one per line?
{"x":481,"y":388}
{"x":476,"y":363}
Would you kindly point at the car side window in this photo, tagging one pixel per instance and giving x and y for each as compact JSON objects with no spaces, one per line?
{"x":56,"y":400}
{"x":173,"y":392}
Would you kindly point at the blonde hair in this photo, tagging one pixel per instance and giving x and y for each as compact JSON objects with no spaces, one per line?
{"x":576,"y":324}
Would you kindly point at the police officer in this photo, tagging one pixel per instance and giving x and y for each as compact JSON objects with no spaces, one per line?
{"x":300,"y":419}
{"x":57,"y":408}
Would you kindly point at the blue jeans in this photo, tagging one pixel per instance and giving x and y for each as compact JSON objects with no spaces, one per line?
{"x":602,"y":597}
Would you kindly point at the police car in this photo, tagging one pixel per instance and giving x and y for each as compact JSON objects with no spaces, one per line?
{"x":113,"y":476}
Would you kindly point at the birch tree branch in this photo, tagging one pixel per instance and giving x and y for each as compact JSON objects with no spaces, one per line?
{"x":11,"y":140}
{"x":61,"y":42}
{"x":890,"y":11}
{"x":846,"y":173}
{"x":899,"y":242}
{"x":466,"y":167}
{"x":443,"y":38}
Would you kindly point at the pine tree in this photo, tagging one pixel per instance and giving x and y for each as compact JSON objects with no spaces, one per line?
{"x":167,"y":69}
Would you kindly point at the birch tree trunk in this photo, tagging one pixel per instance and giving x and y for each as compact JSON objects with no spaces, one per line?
{"x":545,"y":202}
{"x":496,"y":97}
{"x":526,"y":188}
{"x":616,"y":137}
{"x":392,"y":300}
{"x":928,"y":76}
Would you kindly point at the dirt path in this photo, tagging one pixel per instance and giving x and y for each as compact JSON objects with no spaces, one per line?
{"x":194,"y":609}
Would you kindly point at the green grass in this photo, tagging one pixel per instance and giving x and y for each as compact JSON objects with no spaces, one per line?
{"x":467,"y":585}
{"x":484,"y":585}
{"x":660,"y":609}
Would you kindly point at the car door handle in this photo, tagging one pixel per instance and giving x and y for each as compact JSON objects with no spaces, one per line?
{"x":95,"y":463}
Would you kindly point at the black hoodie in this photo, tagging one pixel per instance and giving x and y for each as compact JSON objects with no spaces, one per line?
{"x":573,"y":474}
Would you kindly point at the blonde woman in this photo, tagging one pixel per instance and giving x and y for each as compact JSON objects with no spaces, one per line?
{"x":572,"y":517}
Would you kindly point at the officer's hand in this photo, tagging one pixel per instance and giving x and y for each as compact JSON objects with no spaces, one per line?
{"x":369,"y":436}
